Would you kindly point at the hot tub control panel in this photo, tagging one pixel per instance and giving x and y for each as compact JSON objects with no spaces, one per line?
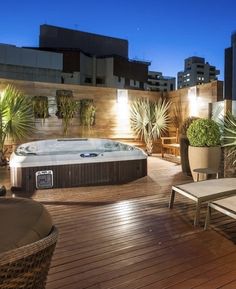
{"x":44,"y":179}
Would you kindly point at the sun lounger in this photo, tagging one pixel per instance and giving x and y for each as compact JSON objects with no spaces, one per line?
{"x":204,"y":191}
{"x":226,"y":206}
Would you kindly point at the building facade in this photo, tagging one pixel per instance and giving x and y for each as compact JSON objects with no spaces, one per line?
{"x":230,"y":70}
{"x":29,"y":64}
{"x":74,"y":57}
{"x":91,"y":59}
{"x":158,"y":82}
{"x":196,"y":71}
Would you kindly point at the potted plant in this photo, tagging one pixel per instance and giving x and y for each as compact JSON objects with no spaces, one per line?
{"x":184,"y":144}
{"x":204,"y":150}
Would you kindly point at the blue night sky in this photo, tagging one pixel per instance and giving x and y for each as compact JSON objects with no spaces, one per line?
{"x":163,"y":32}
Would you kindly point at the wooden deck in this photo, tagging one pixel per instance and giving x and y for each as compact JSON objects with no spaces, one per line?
{"x":126,"y":237}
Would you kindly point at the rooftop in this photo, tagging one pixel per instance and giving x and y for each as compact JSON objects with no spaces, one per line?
{"x":124,"y":236}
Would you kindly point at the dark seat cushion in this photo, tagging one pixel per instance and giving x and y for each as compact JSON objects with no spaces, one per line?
{"x":22,"y":221}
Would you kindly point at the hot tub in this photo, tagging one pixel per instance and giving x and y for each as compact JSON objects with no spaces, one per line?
{"x":72,"y":162}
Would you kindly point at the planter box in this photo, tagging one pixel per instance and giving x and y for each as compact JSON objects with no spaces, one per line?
{"x":204,"y":157}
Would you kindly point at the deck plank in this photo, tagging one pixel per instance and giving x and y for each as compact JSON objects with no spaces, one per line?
{"x":130,"y":239}
{"x":126,"y":237}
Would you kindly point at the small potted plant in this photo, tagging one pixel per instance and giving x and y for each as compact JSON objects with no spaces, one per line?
{"x":204,"y":150}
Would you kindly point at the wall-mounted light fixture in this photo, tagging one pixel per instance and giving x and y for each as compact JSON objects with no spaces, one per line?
{"x":122,"y":96}
{"x":193,"y":105}
{"x":122,"y":112}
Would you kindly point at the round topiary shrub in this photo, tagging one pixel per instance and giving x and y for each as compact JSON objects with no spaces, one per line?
{"x":204,"y":132}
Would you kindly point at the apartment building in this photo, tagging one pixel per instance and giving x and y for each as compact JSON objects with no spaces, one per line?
{"x":28,"y":64}
{"x":158,"y":82}
{"x":230,"y":70}
{"x":91,"y":59}
{"x":196,"y":71}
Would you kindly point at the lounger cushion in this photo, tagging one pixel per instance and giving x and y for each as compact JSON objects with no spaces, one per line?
{"x":22,"y":221}
{"x":227,"y":203}
{"x":210,"y":188}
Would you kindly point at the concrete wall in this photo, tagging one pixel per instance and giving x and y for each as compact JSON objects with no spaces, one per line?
{"x":29,"y":64}
{"x":30,"y":73}
{"x":70,"y":78}
{"x":13,"y":55}
{"x":86,"y":67}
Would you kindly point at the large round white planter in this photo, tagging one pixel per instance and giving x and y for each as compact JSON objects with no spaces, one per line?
{"x":204,"y":157}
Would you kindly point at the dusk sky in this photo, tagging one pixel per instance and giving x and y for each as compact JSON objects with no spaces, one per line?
{"x":163,"y":32}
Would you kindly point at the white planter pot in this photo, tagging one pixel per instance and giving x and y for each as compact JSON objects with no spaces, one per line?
{"x":204,"y":157}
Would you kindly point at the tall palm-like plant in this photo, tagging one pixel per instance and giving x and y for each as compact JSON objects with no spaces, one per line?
{"x":149,"y":120}
{"x":229,"y":136}
{"x":16,"y":117}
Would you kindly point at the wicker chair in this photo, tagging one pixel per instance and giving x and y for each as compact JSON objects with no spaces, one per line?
{"x":27,"y":267}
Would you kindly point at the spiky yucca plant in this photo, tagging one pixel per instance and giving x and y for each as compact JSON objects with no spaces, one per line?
{"x":16,"y":117}
{"x":229,"y":137}
{"x":149,"y":120}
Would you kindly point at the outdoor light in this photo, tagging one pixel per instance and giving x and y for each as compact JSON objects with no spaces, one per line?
{"x":122,"y":112}
{"x":193,"y":103}
{"x":122,"y":96}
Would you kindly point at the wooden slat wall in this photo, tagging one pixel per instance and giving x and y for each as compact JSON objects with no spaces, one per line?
{"x":206,"y":94}
{"x":109,"y":123}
